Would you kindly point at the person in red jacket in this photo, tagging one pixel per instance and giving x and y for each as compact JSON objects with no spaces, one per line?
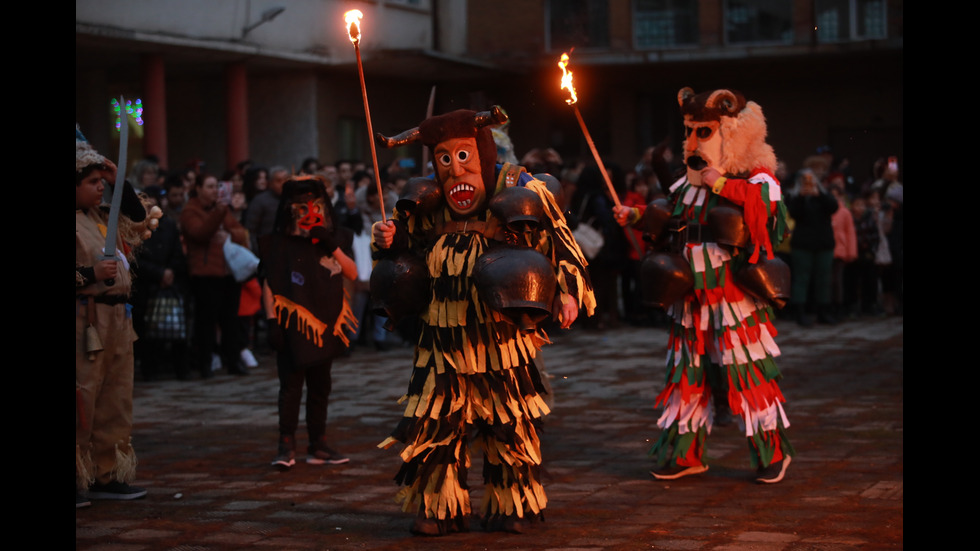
{"x":206,"y":224}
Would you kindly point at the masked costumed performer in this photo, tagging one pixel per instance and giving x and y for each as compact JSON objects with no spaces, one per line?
{"x":307,"y":257}
{"x":105,"y":462}
{"x":474,"y":377}
{"x":722,"y":337}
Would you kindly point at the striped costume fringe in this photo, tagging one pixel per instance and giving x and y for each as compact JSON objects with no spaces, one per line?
{"x":719,"y":325}
{"x":564,"y":251}
{"x":498,"y":409}
{"x":124,"y":469}
{"x":346,"y":323}
{"x":84,"y":469}
{"x":475,"y":383}
{"x":312,"y":327}
{"x":474,"y":377}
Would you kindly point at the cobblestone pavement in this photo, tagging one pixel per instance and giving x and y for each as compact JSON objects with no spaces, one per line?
{"x":205,"y":447}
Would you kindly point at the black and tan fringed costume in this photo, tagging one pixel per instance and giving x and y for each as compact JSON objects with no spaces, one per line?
{"x":475,"y":382}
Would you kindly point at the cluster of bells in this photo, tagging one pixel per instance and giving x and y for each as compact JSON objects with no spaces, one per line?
{"x":514,"y":280}
{"x":519,"y":282}
{"x":666,"y":276}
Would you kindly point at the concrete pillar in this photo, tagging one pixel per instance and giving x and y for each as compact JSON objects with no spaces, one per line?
{"x":155,"y":107}
{"x":236,"y":120}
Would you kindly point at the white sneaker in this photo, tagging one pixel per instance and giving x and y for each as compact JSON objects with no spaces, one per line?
{"x":248,"y":358}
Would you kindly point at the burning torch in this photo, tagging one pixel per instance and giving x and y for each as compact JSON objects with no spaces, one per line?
{"x":566,"y":83}
{"x":353,"y":21}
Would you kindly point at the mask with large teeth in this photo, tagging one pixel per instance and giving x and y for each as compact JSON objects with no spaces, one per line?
{"x":462,"y":195}
{"x":457,"y":163}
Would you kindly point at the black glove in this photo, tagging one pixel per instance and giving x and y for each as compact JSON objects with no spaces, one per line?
{"x":275,"y":338}
{"x":326,"y":240}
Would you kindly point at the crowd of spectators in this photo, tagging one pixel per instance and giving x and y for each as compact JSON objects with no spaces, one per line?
{"x":193,"y":317}
{"x":845,"y":247}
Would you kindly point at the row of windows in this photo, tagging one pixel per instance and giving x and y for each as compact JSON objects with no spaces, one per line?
{"x":674,"y":23}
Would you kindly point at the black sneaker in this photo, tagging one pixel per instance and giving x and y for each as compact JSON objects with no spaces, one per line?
{"x":286,"y":457}
{"x":115,"y":490}
{"x":81,"y":501}
{"x":774,"y":472}
{"x":677,"y":471}
{"x":324,"y":454}
{"x":285,"y":460}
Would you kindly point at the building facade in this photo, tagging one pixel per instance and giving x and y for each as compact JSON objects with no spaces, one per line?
{"x":276,"y":81}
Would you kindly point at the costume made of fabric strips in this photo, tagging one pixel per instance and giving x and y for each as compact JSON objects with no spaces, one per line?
{"x":722,"y":336}
{"x":475,"y":375}
{"x":308,"y":296}
{"x":312,"y":310}
{"x":103,"y":375}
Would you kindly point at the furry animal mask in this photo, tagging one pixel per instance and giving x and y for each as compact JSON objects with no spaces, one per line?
{"x":724,"y":131}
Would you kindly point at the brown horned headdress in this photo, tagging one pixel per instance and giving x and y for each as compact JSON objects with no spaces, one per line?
{"x":462,"y":123}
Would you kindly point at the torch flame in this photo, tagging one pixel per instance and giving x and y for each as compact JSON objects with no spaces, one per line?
{"x":566,"y":80}
{"x":353,"y":21}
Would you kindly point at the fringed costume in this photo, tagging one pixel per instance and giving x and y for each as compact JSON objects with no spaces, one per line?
{"x":306,"y":259}
{"x":719,"y":228}
{"x":105,"y":461}
{"x":474,"y":382}
{"x":721,"y":336}
{"x":103,"y":378}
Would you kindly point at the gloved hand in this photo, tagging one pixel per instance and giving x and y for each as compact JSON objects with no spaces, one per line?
{"x":326,"y":240}
{"x":276,"y":338}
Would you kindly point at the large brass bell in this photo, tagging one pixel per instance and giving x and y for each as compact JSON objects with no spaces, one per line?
{"x":517,"y":282}
{"x":553,"y":185}
{"x":655,"y":221}
{"x":519,"y":208}
{"x":93,"y":344}
{"x":665,"y":278}
{"x":727,"y":223}
{"x":419,"y":196}
{"x":399,"y":288}
{"x":767,"y":280}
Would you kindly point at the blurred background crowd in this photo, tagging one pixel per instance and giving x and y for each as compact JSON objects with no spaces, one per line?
{"x":845,"y":249}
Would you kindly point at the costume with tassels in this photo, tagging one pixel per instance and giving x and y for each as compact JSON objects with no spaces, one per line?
{"x":105,"y":461}
{"x":307,"y":257}
{"x":722,"y":335}
{"x":475,"y":382}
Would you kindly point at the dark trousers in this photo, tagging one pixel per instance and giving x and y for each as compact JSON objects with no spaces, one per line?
{"x":216,"y":307}
{"x":811,"y":268}
{"x":318,"y":383}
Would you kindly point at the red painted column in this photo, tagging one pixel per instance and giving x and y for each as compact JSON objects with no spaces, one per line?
{"x":154,"y":107}
{"x":236,"y":116}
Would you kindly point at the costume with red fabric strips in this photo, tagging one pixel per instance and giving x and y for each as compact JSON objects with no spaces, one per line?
{"x":722,"y":336}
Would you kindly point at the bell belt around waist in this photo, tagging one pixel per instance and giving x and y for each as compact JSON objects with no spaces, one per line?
{"x":696,"y":234}
{"x":490,"y":229}
{"x":111,"y":300}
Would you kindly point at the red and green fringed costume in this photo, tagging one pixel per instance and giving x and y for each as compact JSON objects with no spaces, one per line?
{"x":722,"y":337}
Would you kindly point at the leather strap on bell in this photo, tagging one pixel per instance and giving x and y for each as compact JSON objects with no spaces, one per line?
{"x":111,"y":300}
{"x":510,"y":174}
{"x":697,"y":234}
{"x":89,"y":311}
{"x":490,"y":228}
